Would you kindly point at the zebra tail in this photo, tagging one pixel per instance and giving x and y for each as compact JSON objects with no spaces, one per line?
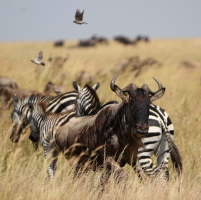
{"x":175,"y":157}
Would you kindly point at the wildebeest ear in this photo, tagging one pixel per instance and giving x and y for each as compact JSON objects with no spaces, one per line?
{"x":96,"y":86}
{"x":120,"y":93}
{"x":15,"y":99}
{"x":76,"y":86}
{"x":157,"y":95}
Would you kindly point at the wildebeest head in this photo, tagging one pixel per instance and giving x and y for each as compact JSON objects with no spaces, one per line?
{"x":138,"y":100}
{"x":19,"y":119}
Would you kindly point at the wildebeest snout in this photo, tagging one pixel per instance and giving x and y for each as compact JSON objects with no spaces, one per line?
{"x":141,"y":129}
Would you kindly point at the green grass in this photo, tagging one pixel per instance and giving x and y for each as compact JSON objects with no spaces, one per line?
{"x":23,"y":172}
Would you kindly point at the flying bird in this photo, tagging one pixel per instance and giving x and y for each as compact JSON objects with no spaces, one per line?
{"x":79,"y":17}
{"x":38,"y":59}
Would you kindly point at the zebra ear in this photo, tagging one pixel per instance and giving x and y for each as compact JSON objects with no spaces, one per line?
{"x":15,"y":99}
{"x":157,"y":95}
{"x":96,"y":86}
{"x":76,"y":86}
{"x":121,"y":94}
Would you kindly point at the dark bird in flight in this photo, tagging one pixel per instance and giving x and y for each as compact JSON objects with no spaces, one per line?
{"x":38,"y":59}
{"x":79,"y":17}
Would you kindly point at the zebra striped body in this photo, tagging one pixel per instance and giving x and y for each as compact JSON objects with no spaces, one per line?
{"x":48,"y":124}
{"x":161,"y":131}
{"x":156,"y":142}
{"x":55,"y":104}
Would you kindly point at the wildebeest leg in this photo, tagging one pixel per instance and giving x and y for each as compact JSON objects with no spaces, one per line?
{"x":112,"y":166}
{"x":80,"y":167}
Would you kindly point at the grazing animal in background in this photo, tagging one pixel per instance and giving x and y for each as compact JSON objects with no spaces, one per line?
{"x":57,"y":91}
{"x":50,"y":88}
{"x":124,"y":40}
{"x":7,"y":82}
{"x":59,"y":43}
{"x":7,"y":93}
{"x":159,"y":140}
{"x":79,"y":17}
{"x":38,"y":59}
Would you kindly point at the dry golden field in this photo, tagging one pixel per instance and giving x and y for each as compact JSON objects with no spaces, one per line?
{"x":23,"y":171}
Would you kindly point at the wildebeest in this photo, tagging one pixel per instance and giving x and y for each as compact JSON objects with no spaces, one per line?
{"x":59,"y":43}
{"x":50,"y":86}
{"x":124,"y":40}
{"x":85,"y":77}
{"x":7,"y":82}
{"x":159,"y":140}
{"x":6,"y":93}
{"x":117,"y":128}
{"x":87,"y":43}
{"x":99,"y":39}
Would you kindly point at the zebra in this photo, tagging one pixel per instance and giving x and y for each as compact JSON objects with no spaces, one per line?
{"x":55,"y":104}
{"x":47,"y":123}
{"x":159,"y":140}
{"x":87,"y":101}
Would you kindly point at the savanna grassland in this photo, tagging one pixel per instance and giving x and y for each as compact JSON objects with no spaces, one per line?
{"x":23,"y":171}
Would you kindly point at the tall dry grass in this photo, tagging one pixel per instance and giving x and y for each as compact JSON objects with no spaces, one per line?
{"x":23,"y":171}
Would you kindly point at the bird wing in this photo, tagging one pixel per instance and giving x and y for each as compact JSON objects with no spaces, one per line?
{"x":39,"y":56}
{"x":79,"y":15}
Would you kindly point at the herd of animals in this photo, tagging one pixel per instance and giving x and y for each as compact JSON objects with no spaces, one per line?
{"x":100,"y":136}
{"x":105,"y":136}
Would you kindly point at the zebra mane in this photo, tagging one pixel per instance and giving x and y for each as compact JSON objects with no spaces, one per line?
{"x":31,"y":99}
{"x":41,"y":107}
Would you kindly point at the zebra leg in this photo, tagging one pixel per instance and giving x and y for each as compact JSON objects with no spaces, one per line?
{"x":147,"y":165}
{"x":52,"y":157}
{"x":163,"y":155}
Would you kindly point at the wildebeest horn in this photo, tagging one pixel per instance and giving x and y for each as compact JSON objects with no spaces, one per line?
{"x":146,"y":87}
{"x":112,"y":83}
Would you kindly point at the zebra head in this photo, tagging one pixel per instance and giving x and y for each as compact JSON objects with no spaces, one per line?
{"x":20,"y":118}
{"x":138,"y":100}
{"x":87,"y":101}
